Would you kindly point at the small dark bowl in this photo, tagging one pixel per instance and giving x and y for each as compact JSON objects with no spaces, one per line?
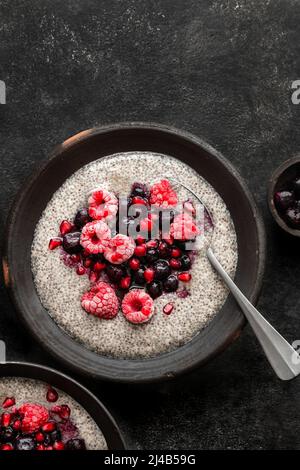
{"x":283,"y":175}
{"x":84,"y":148}
{"x":80,"y":394}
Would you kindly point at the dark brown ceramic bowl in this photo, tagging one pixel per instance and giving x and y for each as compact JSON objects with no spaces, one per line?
{"x":72,"y":155}
{"x":283,"y":175}
{"x":84,"y":397}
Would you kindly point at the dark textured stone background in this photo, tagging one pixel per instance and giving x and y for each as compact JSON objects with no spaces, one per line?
{"x":220,"y":69}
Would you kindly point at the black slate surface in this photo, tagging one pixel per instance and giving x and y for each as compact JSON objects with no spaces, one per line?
{"x":220,"y":69}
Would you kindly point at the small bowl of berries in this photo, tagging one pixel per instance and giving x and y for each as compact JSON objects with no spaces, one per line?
{"x":284,"y":196}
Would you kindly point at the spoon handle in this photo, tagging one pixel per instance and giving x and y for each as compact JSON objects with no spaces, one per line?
{"x":281,"y":355}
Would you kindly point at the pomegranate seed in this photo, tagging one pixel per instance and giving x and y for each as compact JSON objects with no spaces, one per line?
{"x":140,"y":250}
{"x":99,"y":266}
{"x":152,"y":244}
{"x":65,"y":227}
{"x":54,"y":243}
{"x":39,"y":437}
{"x":140,"y":240}
{"x":6,"y":447}
{"x":168,"y":308}
{"x":17,"y":425}
{"x":134,"y":264}
{"x":8,"y":402}
{"x":87,"y":262}
{"x":80,"y":270}
{"x":40,"y":447}
{"x":93,"y":277}
{"x":64,"y":412}
{"x":49,"y":448}
{"x":49,"y":427}
{"x":125,"y":282}
{"x":175,"y":252}
{"x":139,"y":201}
{"x":175,"y":263}
{"x":58,"y":445}
{"x":149,"y":274}
{"x":85,"y":254}
{"x":6,"y":419}
{"x":52,"y":395}
{"x":184,"y":277}
{"x":75,"y":258}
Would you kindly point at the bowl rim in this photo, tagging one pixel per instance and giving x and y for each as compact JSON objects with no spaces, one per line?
{"x":272,"y":183}
{"x":179,"y":368}
{"x":29,"y":370}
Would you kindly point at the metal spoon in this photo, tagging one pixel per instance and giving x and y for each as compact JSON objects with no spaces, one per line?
{"x":282,"y":356}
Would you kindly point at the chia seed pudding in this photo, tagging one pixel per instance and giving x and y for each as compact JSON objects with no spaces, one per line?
{"x":175,"y":314}
{"x":35,"y":416}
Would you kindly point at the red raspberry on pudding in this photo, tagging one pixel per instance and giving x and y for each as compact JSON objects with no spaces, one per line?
{"x":183,"y":227}
{"x":103,"y":205}
{"x":101,"y":301}
{"x":137,"y":306}
{"x":120,"y":249}
{"x":33,"y":416}
{"x":162,"y":194}
{"x":95,"y":237}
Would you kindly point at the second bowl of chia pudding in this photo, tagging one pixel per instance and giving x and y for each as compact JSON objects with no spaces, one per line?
{"x":117,"y":258}
{"x":42,"y":410}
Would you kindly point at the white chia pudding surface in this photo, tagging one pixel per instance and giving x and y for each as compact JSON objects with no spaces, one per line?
{"x":60,"y":288}
{"x":34,"y":391}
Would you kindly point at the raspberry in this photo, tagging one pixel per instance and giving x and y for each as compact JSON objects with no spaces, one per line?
{"x":33,"y":416}
{"x":120,"y":249}
{"x":101,"y":301}
{"x":184,"y":227}
{"x":95,"y":237}
{"x":162,"y":194}
{"x":102,"y":205}
{"x":137,"y":306}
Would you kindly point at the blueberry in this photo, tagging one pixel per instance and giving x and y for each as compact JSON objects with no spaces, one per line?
{"x":140,"y":190}
{"x":82,"y":218}
{"x":71,"y":242}
{"x":152,"y":255}
{"x":185,"y":262}
{"x":25,"y":443}
{"x":162,"y":269}
{"x":47,"y":440}
{"x":296,"y":187}
{"x":181,"y":244}
{"x":171,"y":283}
{"x":164,"y":250}
{"x":55,"y":436}
{"x":115,"y":273}
{"x":139,"y":276}
{"x":7,"y":434}
{"x":154,"y":289}
{"x":75,"y":444}
{"x":293,"y":218}
{"x":284,"y":199}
